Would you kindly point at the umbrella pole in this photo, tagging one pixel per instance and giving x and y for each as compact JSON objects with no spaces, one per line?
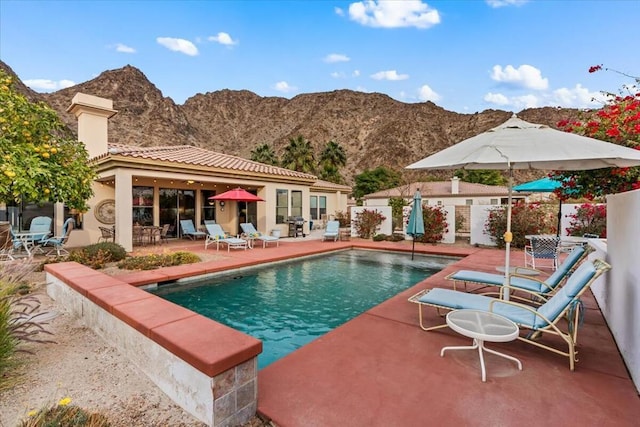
{"x":413,"y":247}
{"x":508,"y":237}
{"x":559,"y":218}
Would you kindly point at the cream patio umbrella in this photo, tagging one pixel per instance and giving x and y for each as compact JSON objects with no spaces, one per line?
{"x":517,"y":144}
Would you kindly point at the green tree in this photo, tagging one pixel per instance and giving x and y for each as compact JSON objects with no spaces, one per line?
{"x":41,"y":161}
{"x":298,"y":155}
{"x":264,"y":153}
{"x":481,"y":176}
{"x":332,"y":158}
{"x":370,"y":181}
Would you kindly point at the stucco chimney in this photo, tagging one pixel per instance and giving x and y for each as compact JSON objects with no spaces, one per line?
{"x":455,"y":185}
{"x":93,"y":114}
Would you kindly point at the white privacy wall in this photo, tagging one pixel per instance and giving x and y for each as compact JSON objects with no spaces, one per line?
{"x":619,"y":294}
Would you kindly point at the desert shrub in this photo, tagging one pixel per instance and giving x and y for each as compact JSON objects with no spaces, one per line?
{"x":367,"y":222}
{"x":395,"y":237}
{"x":19,"y":317}
{"x":344,"y":218}
{"x":64,"y":414}
{"x":98,"y":255}
{"x":588,"y":218}
{"x":435,"y":224}
{"x":152,"y":261}
{"x":397,"y":204}
{"x":380,"y":237}
{"x":531,"y":218}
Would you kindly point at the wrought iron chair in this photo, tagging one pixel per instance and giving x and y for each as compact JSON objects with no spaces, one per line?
{"x":542,"y":247}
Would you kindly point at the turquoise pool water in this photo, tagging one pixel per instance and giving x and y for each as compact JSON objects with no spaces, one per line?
{"x":288,"y":305}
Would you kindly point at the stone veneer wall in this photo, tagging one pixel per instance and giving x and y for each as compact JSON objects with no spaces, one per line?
{"x":222,"y":396}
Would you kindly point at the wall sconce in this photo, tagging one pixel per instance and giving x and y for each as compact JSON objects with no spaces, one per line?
{"x":221,"y":203}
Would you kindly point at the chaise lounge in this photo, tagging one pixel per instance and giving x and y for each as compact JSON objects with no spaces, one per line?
{"x":546,"y":318}
{"x":217,"y":235}
{"x":332,"y":232}
{"x":189,"y":230}
{"x":251,"y":233}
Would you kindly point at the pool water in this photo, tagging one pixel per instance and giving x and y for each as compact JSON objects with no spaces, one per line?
{"x":287,"y":305}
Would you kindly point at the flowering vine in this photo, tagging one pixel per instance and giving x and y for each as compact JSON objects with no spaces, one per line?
{"x":617,"y":122}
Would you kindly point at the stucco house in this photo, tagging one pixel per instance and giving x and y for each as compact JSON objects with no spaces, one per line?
{"x":444,"y":193}
{"x":163,"y":185}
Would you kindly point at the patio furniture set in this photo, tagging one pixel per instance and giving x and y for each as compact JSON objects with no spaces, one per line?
{"x":37,"y":239}
{"x":551,"y":306}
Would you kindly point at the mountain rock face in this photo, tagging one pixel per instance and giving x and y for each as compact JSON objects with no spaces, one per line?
{"x":374,"y":129}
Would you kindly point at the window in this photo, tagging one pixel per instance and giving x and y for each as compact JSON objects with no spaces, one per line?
{"x":282,"y":206}
{"x":439,"y":202}
{"x":208,"y":206}
{"x":296,"y":203}
{"x":494,"y":202}
{"x":142,"y":205}
{"x":468,"y":202}
{"x":318,"y":207}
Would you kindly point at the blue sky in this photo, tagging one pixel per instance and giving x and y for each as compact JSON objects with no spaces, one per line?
{"x":465,"y":56}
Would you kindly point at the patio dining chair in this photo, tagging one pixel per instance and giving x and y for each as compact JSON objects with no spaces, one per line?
{"x":542,"y":247}
{"x":58,"y":242}
{"x":107,"y":234}
{"x":547,"y":318}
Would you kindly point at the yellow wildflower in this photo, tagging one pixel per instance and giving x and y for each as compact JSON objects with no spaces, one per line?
{"x":32,"y":413}
{"x":65,"y":401}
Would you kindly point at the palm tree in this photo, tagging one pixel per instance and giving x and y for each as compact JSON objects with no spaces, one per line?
{"x":331,"y":173}
{"x":264,"y":153}
{"x":333,"y":155}
{"x":298,"y":155}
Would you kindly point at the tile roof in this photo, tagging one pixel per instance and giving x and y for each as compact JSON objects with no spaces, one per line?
{"x":186,"y":154}
{"x":441,"y":189}
{"x":327,"y":185}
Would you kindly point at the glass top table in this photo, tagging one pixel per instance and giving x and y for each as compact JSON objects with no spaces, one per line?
{"x":482,"y":326}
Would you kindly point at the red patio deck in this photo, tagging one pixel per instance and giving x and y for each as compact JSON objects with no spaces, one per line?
{"x":381,"y":369}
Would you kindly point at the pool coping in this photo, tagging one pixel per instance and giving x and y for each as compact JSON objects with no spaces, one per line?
{"x":220,"y":384}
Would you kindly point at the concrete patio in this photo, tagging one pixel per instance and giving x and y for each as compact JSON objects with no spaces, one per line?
{"x":381,"y":369}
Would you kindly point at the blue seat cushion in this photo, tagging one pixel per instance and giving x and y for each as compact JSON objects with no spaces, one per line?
{"x":496,"y":280}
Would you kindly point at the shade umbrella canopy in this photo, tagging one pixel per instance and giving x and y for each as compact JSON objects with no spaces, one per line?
{"x":517,"y":144}
{"x":415,"y":227}
{"x":238,"y":195}
{"x":543,"y":185}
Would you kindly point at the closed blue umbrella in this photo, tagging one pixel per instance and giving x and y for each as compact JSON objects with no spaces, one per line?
{"x":543,"y":185}
{"x":415,"y":227}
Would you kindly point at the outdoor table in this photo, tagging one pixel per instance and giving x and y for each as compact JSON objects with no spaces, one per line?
{"x":345,"y":234}
{"x":482,"y":326}
{"x":28,"y":241}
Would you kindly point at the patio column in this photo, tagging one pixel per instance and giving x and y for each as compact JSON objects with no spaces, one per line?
{"x":124,"y":209}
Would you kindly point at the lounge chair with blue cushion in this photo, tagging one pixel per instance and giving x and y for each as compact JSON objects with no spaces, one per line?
{"x":40,"y":224}
{"x":189,"y":230}
{"x":250,"y":231}
{"x":520,"y":281}
{"x":546,"y":318}
{"x":58,"y":242}
{"x":215,"y":234}
{"x":332,"y":232}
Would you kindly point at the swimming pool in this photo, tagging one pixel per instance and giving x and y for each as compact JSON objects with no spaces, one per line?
{"x":288,"y":305}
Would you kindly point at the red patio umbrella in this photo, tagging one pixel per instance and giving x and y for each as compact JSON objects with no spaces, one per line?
{"x":238,"y":195}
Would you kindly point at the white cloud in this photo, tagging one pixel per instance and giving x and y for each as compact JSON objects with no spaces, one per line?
{"x":356,"y":73}
{"x":338,"y":75}
{"x":502,"y":3}
{"x":425,"y":93}
{"x":496,"y":98}
{"x":123,"y":48}
{"x":48,"y":85}
{"x":339,"y":11}
{"x":336,"y":57}
{"x":223,"y":38}
{"x":577,"y":97}
{"x":178,"y":45}
{"x":389,"y":75}
{"x":284,"y":87}
{"x":524,"y":76}
{"x":393,"y":14}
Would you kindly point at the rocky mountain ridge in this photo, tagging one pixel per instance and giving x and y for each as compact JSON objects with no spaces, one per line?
{"x":374,"y":129}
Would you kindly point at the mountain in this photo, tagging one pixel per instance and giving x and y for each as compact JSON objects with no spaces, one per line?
{"x":374,"y":129}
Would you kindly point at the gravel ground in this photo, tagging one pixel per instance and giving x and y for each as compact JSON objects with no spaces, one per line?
{"x":96,"y":376}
